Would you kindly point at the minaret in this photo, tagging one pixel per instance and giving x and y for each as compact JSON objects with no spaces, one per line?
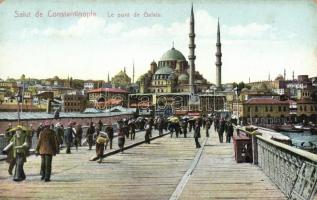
{"x":108,"y":78}
{"x":285,"y":74}
{"x":293,"y":75}
{"x":192,"y":56}
{"x":218,"y":58}
{"x":133,"y":72}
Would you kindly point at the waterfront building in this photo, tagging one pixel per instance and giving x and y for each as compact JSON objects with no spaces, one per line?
{"x":267,"y":110}
{"x":93,"y":84}
{"x":104,"y":97}
{"x":73,"y":103}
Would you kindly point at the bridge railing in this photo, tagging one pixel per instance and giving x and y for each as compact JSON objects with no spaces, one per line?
{"x":293,"y":170}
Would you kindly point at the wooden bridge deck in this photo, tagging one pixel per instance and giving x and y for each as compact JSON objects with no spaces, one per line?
{"x":148,"y":171}
{"x":218,"y":176}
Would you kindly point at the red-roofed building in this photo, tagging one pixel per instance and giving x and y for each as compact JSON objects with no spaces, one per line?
{"x":105,"y":94}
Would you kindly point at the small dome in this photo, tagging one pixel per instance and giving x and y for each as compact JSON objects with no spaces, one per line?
{"x":164,"y":70}
{"x":172,"y":54}
{"x":279,"y":77}
{"x":153,"y":63}
{"x":262,"y":87}
{"x":254,"y":88}
{"x":244,"y":90}
{"x":198,"y":82}
{"x":183,"y":77}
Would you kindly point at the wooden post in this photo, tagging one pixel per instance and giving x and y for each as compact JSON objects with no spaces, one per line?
{"x":254,"y":149}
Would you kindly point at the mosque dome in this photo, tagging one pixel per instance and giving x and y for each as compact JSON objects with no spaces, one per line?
{"x":262,"y":87}
{"x":279,"y":77}
{"x":164,"y":70}
{"x":183,"y":77}
{"x":172,"y":54}
{"x":254,"y":88}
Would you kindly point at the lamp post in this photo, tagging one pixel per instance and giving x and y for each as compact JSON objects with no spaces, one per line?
{"x":214,"y":88}
{"x":237,"y":92}
{"x":18,"y":97}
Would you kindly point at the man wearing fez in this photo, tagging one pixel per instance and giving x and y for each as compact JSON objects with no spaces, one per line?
{"x":90,"y":135}
{"x":109,"y":131}
{"x":47,"y":148}
{"x":19,"y":144}
{"x":69,"y":137}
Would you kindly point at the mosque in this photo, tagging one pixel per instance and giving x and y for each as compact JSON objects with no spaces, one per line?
{"x":174,"y":74}
{"x":174,"y":81}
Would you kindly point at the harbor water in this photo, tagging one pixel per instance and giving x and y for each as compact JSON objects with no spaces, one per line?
{"x":299,"y":137}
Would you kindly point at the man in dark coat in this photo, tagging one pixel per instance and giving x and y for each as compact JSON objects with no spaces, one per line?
{"x":109,"y":131}
{"x":229,"y":131}
{"x":160,"y":124}
{"x":126,"y":128}
{"x":151,"y":123}
{"x":184,"y":128}
{"x":221,"y":129}
{"x":147,"y":135}
{"x":121,"y":137}
{"x":207,"y":126}
{"x":90,"y":135}
{"x":69,"y":136}
{"x":100,"y":125}
{"x":78,"y":135}
{"x":60,"y":134}
{"x":47,"y":147}
{"x":132,"y":129}
{"x":197,"y":134}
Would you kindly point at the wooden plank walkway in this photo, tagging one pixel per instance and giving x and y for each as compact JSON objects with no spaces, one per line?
{"x":148,"y":171}
{"x":218,"y":176}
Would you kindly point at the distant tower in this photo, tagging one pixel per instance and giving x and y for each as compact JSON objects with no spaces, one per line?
{"x":124,"y":69}
{"x":108,"y":78}
{"x":269,"y":77}
{"x":192,"y":56}
{"x":293,"y":75}
{"x":218,"y":58}
{"x":284,"y":74}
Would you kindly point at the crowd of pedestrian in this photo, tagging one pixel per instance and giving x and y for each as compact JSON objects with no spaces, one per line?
{"x":53,"y":138}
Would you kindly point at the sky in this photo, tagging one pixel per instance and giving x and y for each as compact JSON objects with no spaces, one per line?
{"x":258,"y":37}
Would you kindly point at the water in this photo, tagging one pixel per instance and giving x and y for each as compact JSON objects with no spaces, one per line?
{"x":298,"y":138}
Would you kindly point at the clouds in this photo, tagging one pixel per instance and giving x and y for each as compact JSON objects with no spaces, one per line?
{"x":84,"y":27}
{"x":249,"y":30}
{"x":90,"y":47}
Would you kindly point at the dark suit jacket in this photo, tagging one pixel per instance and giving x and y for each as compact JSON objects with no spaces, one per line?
{"x":197,"y":132}
{"x":47,"y":143}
